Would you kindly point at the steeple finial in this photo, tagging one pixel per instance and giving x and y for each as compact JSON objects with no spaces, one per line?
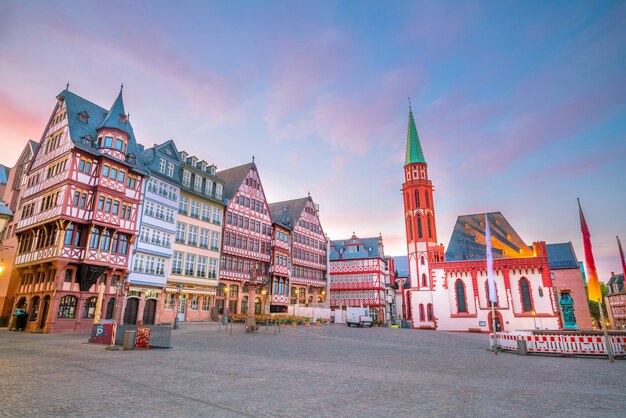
{"x":253,"y":158}
{"x":121,"y":87}
{"x":410,"y":110}
{"x":67,"y":86}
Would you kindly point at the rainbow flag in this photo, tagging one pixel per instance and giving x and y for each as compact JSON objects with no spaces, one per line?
{"x":593,"y":285}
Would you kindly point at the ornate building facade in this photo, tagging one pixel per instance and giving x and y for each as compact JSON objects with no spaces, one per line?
{"x":195,"y":260}
{"x":78,"y":214}
{"x":152,"y":251}
{"x":359,"y":272}
{"x":449,"y":292}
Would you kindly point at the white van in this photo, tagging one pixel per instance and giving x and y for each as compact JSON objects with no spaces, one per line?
{"x":359,"y":317}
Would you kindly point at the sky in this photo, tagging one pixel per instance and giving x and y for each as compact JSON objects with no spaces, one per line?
{"x":520,"y":106}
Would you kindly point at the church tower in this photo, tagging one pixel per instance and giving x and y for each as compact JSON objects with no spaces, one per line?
{"x":419,"y":221}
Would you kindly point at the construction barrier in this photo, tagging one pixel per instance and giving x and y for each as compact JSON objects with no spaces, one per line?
{"x":561,"y":344}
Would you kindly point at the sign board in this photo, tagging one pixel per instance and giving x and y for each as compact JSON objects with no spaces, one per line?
{"x":102,"y":334}
{"x":482,"y":323}
{"x":143,"y":338}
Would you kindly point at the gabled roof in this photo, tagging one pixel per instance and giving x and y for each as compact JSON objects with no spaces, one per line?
{"x":468,"y":239}
{"x":85,"y":128}
{"x":233,"y":177}
{"x":616,"y":279}
{"x":414,"y":153}
{"x":367,"y":248}
{"x":288,"y":211}
{"x":562,"y":256}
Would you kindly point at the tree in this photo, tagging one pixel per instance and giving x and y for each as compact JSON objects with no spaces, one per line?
{"x":593,"y":306}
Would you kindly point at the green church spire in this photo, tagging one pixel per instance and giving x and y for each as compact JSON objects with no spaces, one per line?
{"x":414,"y":153}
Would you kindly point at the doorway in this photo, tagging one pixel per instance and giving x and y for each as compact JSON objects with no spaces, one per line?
{"x":149,"y":311}
{"x":44,"y":312}
{"x":182,"y":308}
{"x":130,"y":313}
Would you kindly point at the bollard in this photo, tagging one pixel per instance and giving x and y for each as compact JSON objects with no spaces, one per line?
{"x":129,"y":340}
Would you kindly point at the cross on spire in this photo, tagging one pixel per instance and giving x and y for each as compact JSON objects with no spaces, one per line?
{"x":67,"y":86}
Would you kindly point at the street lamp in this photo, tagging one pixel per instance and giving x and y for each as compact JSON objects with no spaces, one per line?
{"x":179,"y":288}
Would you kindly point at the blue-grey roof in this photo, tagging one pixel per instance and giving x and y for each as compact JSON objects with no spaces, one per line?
{"x":233,"y":177}
{"x":287,"y":213}
{"x":4,"y":210}
{"x":112,"y":119}
{"x":151,"y":158}
{"x":83,"y":131}
{"x":468,"y":239}
{"x":616,"y":279}
{"x":562,"y":256}
{"x":401,"y":265}
{"x":356,"y":248}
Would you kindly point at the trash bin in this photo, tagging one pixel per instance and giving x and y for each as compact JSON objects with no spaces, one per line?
{"x":522,"y":348}
{"x":18,"y":320}
{"x":129,"y":339}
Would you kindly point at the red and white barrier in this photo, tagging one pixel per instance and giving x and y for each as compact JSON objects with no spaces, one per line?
{"x":561,"y":344}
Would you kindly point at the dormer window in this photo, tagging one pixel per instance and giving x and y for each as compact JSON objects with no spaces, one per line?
{"x":123,"y":118}
{"x":83,"y":116}
{"x":119,"y":144}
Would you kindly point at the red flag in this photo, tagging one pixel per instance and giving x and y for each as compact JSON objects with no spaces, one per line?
{"x":593,"y":285}
{"x":621,"y":253}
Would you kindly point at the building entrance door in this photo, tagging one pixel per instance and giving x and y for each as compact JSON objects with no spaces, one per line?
{"x":130,"y":313}
{"x":44,"y":312}
{"x":182,"y":308}
{"x":149,"y":311}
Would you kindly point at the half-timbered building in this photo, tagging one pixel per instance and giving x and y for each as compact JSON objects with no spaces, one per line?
{"x":78,"y":214}
{"x":308,"y":285}
{"x":152,"y":251}
{"x":247,"y":238}
{"x":197,"y":244}
{"x":358,"y":273}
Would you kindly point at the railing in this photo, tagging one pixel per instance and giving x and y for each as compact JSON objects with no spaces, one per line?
{"x":571,"y":344}
{"x":160,"y":336}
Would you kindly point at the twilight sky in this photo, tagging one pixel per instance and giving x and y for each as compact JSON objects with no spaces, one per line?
{"x":520,"y":106}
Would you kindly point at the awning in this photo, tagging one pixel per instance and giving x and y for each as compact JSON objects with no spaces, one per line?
{"x":191,"y":291}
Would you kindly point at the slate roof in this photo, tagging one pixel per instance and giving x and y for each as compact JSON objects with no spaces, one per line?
{"x":562,"y":256}
{"x":288,"y":211}
{"x":370,"y":248}
{"x":112,"y":119}
{"x":616,"y":279}
{"x":81,"y":130}
{"x":233,"y":177}
{"x":414,"y":153}
{"x":468,"y":239}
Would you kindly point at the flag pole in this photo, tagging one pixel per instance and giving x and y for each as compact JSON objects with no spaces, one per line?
{"x":493,"y":327}
{"x":609,"y":349}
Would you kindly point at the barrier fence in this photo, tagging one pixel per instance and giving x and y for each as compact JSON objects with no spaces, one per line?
{"x":561,"y":344}
{"x":160,"y":336}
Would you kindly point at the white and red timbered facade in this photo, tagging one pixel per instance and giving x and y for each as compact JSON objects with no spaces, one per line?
{"x":78,"y":213}
{"x":450,"y":293}
{"x":247,"y":238}
{"x":358,"y":273}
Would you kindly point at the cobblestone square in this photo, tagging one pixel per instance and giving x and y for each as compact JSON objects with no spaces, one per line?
{"x":325,"y":371}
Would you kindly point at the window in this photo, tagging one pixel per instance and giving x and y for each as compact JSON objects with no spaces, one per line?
{"x":201,"y":267}
{"x":180,"y":232}
{"x":90,"y":308}
{"x":192,"y":238}
{"x":170,"y":169}
{"x":197,"y":183}
{"x":409,"y":227}
{"x":119,"y":145}
{"x":67,"y":307}
{"x":95,"y":238}
{"x":121,"y":175}
{"x":244,"y":305}
{"x":215,"y":240}
{"x":169,"y":301}
{"x":460,"y":296}
{"x":131,"y":182}
{"x":162,"y":166}
{"x":195,"y":302}
{"x":213,"y":268}
{"x":183,"y":205}
{"x":217,"y":216}
{"x":186,"y":178}
{"x":177,"y":263}
{"x":206,"y":303}
{"x":208,"y":188}
{"x":420,"y":233}
{"x":106,"y":240}
{"x":429,"y":311}
{"x":108,"y":142}
{"x":190,"y":261}
{"x":195,"y":209}
{"x":206,"y":212}
{"x":218,"y":191}
{"x":424,"y":280}
{"x":524,"y":286}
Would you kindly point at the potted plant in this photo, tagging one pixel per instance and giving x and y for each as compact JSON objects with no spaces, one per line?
{"x":294,"y":321}
{"x":320,"y":322}
{"x":281,"y":322}
{"x":307,"y":322}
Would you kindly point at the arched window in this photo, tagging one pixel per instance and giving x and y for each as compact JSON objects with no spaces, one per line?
{"x":417,"y":198}
{"x":21,"y":304}
{"x":34,"y":308}
{"x":427,"y":195}
{"x":422,"y":261}
{"x":487,"y":293}
{"x":430,"y":229}
{"x":420,"y":234}
{"x":244,"y":305}
{"x":110,"y":308}
{"x":90,"y":308}
{"x":257,"y":306}
{"x":410,"y":228}
{"x":429,"y":311}
{"x":407,"y":200}
{"x":524,"y":287}
{"x":422,"y":316}
{"x":424,"y":280}
{"x":461,"y":302}
{"x":67,"y":307}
